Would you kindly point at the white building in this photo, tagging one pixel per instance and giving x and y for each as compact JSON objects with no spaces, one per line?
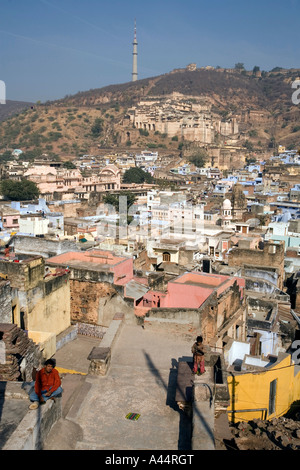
{"x":226,"y":213}
{"x":146,"y":157}
{"x":33,"y":225}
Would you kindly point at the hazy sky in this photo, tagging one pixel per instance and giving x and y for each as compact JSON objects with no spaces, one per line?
{"x":51,"y":48}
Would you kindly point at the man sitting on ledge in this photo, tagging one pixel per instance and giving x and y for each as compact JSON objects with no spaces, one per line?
{"x":47,"y":385}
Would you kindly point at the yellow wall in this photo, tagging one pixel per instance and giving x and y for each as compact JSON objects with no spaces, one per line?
{"x":46,"y":341}
{"x":251,"y":390}
{"x":51,"y":313}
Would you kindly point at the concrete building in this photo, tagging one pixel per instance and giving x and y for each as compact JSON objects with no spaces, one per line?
{"x":9,"y":218}
{"x":32,"y":299}
{"x":34,"y":225}
{"x":213,"y":303}
{"x":72,"y":183}
{"x":98,"y":281}
{"x":268,"y":393}
{"x":268,"y":258}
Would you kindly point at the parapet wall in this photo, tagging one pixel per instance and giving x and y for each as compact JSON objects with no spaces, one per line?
{"x":34,"y":427}
{"x":100,"y":356}
{"x":43,"y":246}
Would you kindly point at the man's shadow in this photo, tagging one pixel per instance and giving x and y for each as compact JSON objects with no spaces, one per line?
{"x":185,"y":421}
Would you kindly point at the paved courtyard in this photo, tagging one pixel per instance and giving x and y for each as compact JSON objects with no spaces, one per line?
{"x":142,"y":380}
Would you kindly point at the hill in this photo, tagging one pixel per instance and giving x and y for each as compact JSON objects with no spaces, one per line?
{"x":10,"y":108}
{"x":93,"y":121}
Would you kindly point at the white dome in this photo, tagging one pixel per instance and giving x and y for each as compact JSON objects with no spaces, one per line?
{"x":226,"y":204}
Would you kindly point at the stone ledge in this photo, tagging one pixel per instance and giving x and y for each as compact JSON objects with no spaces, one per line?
{"x":203,"y":411}
{"x":100,"y":356}
{"x":34,"y":427}
{"x":14,"y":389}
{"x":66,"y":336}
{"x":100,"y":360}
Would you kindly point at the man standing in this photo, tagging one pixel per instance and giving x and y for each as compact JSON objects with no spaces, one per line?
{"x":198,"y":356}
{"x":47,"y":385}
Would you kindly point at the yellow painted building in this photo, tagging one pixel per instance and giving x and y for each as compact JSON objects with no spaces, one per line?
{"x":264,"y":394}
{"x":37,"y":301}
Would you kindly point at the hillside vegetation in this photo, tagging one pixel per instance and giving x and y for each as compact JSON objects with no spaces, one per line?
{"x":89,"y":121}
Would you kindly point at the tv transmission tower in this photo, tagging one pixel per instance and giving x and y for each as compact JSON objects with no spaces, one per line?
{"x":134,"y":54}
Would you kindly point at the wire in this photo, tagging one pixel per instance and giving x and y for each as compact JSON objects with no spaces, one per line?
{"x":257,"y":371}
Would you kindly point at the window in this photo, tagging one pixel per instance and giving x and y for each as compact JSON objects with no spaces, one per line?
{"x":272,"y":396}
{"x":166,"y":256}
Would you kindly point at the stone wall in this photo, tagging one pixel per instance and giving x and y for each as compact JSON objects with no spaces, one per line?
{"x":19,"y":354}
{"x":228,"y":303}
{"x":48,"y":305}
{"x":42,"y":246}
{"x":69,"y":209}
{"x":95,"y":303}
{"x":87,"y":298}
{"x":175,"y":315}
{"x":25,"y":273}
{"x":5,"y":302}
{"x":272,"y":255}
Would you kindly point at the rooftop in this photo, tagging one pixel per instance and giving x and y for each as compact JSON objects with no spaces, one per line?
{"x":97,"y":261}
{"x":95,"y":257}
{"x":202,"y":279}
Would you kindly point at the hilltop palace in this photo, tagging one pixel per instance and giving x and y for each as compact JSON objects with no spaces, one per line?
{"x":181,"y":116}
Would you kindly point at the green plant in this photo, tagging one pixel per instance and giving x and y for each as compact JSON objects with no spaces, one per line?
{"x":23,"y":190}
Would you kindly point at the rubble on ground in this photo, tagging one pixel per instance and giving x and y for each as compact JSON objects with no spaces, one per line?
{"x":277,"y":434}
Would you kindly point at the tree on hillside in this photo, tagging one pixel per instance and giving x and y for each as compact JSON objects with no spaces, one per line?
{"x":30,"y":155}
{"x":24,"y":190}
{"x":115,"y":201}
{"x":69,"y":165}
{"x":6,"y":156}
{"x":137,"y":175}
{"x":97,"y":127}
{"x":199,"y":158}
{"x":239,"y":66}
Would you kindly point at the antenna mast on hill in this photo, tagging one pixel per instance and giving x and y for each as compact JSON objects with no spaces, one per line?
{"x":134,"y":53}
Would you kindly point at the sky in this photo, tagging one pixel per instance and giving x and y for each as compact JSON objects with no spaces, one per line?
{"x":53,"y":48}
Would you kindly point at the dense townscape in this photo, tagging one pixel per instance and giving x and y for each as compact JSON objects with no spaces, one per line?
{"x":169,"y":214}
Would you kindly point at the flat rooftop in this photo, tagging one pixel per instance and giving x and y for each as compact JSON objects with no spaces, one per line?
{"x":95,"y":257}
{"x":97,"y":261}
{"x":202,"y":279}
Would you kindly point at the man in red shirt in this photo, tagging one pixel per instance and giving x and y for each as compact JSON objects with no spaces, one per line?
{"x":47,"y":385}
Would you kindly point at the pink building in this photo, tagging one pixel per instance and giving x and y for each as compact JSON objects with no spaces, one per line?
{"x":50,"y":179}
{"x":189,"y":290}
{"x":10,"y":218}
{"x":98,"y":261}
